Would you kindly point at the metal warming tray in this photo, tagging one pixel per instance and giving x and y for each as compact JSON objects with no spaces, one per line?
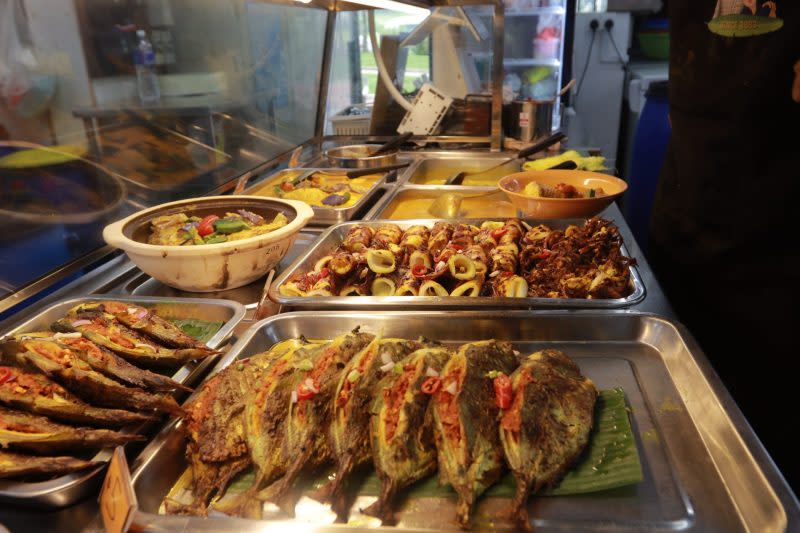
{"x":67,"y":489}
{"x":435,"y":170}
{"x":700,"y":472}
{"x":323,"y":216}
{"x":419,"y":198}
{"x":335,"y":235}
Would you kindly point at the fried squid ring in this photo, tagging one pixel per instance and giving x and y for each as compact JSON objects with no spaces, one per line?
{"x":383,"y":286}
{"x":510,"y":286}
{"x":352,"y":290}
{"x":471,"y":288}
{"x":464,"y":235}
{"x":342,"y":264}
{"x":409,"y":285}
{"x":485,"y":240}
{"x":505,"y":258}
{"x":323,"y":287}
{"x":291,"y":289}
{"x":381,"y":261}
{"x":461,"y":267}
{"x":512,"y":232}
{"x":536,"y":235}
{"x":420,"y":257}
{"x":440,"y":236}
{"x":414,"y":238}
{"x":358,"y":239}
{"x":387,"y":234}
{"x":478,"y":256}
{"x":322,"y":263}
{"x":432,"y":288}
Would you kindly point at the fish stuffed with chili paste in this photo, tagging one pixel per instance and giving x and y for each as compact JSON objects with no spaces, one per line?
{"x":305,"y":439}
{"x":349,"y":428}
{"x":401,"y":426}
{"x":466,"y":411}
{"x":547,"y":424}
{"x":39,"y":434}
{"x":37,"y":394}
{"x":44,"y":353}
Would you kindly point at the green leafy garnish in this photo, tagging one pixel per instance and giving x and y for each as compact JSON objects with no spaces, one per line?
{"x":202,"y":330}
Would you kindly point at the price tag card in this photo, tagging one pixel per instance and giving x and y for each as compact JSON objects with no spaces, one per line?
{"x":117,"y":500}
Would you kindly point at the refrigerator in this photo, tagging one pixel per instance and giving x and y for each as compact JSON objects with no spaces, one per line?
{"x":537,"y":33}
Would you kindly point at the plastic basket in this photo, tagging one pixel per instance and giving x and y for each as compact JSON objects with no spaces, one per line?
{"x":346,"y":124}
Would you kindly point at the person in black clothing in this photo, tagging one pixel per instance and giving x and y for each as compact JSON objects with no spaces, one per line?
{"x":724,"y":230}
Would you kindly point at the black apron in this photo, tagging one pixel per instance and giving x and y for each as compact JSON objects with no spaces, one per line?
{"x":724,"y":238}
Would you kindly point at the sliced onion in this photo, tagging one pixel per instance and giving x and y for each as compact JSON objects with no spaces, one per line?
{"x":294,"y":396}
{"x":386,"y":357}
{"x":494,"y":274}
{"x":75,"y":335}
{"x":387,"y":367}
{"x":431,"y":372}
{"x":81,"y":322}
{"x":452,"y":388}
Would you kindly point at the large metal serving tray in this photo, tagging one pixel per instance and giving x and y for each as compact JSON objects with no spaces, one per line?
{"x":701,"y":473}
{"x":435,"y":168}
{"x":323,"y":216}
{"x":67,"y":489}
{"x":335,"y":236}
{"x":488,"y":206}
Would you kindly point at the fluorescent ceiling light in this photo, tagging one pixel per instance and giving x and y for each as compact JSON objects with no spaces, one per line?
{"x":393,"y":5}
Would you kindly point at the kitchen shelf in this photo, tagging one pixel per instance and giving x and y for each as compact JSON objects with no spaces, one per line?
{"x":530,"y":62}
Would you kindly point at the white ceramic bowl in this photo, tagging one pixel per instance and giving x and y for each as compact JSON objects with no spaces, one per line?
{"x":210,"y":267}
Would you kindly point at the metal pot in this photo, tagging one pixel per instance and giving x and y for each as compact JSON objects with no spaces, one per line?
{"x":357,"y":156}
{"x":528,"y":120}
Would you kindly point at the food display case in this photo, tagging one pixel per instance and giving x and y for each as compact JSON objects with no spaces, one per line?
{"x":274,"y":73}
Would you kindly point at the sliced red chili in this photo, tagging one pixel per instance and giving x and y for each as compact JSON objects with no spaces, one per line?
{"x":502,"y":391}
{"x":206,"y":226}
{"x":5,"y":375}
{"x":324,"y":272}
{"x":543,"y":255}
{"x":307,"y":389}
{"x":456,"y":247}
{"x":499,"y":232}
{"x":431,"y":385}
{"x":419,"y":270}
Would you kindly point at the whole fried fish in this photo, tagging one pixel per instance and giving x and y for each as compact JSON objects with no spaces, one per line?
{"x":107,"y":362}
{"x":61,"y":363}
{"x":349,"y":428}
{"x":547,"y":425}
{"x":36,"y":394}
{"x":466,"y":421}
{"x":39,"y":434}
{"x":140,"y":319}
{"x":401,"y":428}
{"x":103,"y":329}
{"x":263,"y":413}
{"x":305,"y":442}
{"x":17,"y":464}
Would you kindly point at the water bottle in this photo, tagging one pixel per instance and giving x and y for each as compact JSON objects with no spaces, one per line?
{"x":145,"y":61}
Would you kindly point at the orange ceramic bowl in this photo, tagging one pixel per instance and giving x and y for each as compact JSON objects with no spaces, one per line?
{"x":536,"y":207}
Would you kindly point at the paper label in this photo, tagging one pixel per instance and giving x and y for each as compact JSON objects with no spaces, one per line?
{"x":117,"y":500}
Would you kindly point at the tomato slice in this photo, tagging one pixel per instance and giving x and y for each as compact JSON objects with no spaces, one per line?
{"x":206,"y":226}
{"x":499,"y":232}
{"x":502,"y":391}
{"x":431,"y":385}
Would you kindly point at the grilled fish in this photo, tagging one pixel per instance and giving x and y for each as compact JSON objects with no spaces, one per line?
{"x":38,"y":434}
{"x":305,"y":440}
{"x":262,"y":417}
{"x":139,"y":319}
{"x":547,"y":425}
{"x":401,"y":428}
{"x":36,"y":394}
{"x":17,"y":464}
{"x":107,"y":362}
{"x":59,"y":362}
{"x":349,"y":428}
{"x":465,"y":412}
{"x":103,"y":329}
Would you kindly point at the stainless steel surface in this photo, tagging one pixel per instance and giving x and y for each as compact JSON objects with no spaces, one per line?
{"x":335,"y":235}
{"x":435,"y":170}
{"x":703,"y":470}
{"x":67,"y":489}
{"x":383,"y":208}
{"x":325,"y":73}
{"x":358,"y":156}
{"x":323,"y":216}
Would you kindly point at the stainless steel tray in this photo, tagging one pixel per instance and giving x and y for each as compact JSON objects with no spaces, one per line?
{"x":701,"y":473}
{"x":67,"y":489}
{"x":335,"y":235}
{"x":323,"y":216}
{"x":491,"y":206}
{"x":436,"y":168}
